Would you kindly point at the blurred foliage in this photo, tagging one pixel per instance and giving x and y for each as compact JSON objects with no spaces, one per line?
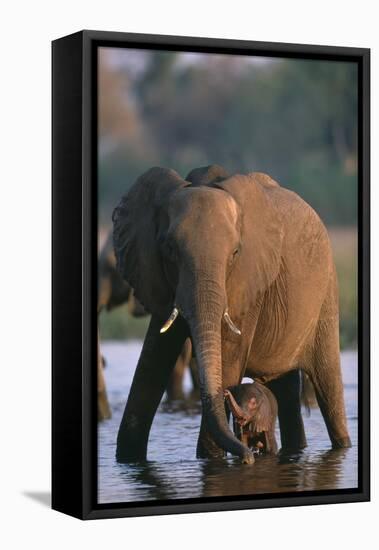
{"x":118,"y":324}
{"x":345,"y":251}
{"x":294,"y":119}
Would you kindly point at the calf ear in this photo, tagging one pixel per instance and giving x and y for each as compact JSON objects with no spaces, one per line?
{"x":262,"y":421}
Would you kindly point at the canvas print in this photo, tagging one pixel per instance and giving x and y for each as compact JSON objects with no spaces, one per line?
{"x":227,"y":275}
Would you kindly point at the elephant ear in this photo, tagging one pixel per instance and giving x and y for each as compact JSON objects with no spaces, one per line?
{"x":263,"y":418}
{"x":135,"y":222}
{"x":257,"y":196}
{"x":207,"y":175}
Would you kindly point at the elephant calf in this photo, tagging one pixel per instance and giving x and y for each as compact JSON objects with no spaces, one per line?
{"x":254,"y":410}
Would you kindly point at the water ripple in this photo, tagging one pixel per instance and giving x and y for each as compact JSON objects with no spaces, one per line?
{"x":173,"y":472}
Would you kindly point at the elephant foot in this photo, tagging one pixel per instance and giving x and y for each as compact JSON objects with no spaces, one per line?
{"x":288,"y":449}
{"x":130,"y":452}
{"x":341,"y":443}
{"x":203,"y":451}
{"x":129,"y":458}
{"x":132,"y":440}
{"x":207,"y":448}
{"x":290,"y":454}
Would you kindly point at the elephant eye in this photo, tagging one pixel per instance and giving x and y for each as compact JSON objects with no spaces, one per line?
{"x":233,"y":256}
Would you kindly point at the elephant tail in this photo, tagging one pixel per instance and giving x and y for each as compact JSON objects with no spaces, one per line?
{"x":307,"y":393}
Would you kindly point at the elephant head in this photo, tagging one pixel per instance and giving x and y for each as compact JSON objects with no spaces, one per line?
{"x":254,"y":410}
{"x":191,"y":248}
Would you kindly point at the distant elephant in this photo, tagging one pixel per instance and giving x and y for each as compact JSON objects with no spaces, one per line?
{"x":175,"y":384}
{"x":254,"y":410}
{"x":114,"y":291}
{"x":244,"y":267}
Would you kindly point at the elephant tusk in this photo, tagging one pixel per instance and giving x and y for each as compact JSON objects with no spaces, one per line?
{"x":231,"y":325}
{"x":170,"y":320}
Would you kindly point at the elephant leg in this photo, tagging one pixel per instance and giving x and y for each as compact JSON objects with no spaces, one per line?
{"x":287,"y":392}
{"x":325,"y":374}
{"x":103,"y":408}
{"x":174,"y":388}
{"x":194,"y":373}
{"x":157,"y":359}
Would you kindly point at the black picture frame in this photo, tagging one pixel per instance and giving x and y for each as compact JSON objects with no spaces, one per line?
{"x":74,"y":330}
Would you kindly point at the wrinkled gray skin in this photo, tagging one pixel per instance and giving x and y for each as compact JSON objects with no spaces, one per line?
{"x":242,"y":245}
{"x":254,"y":409}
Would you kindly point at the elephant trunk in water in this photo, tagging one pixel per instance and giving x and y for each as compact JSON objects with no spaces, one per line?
{"x":203,"y":308}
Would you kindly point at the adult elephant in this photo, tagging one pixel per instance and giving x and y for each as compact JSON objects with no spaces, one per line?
{"x":245,"y":268}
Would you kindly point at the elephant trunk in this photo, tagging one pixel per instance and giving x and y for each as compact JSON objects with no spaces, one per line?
{"x":204,"y":316}
{"x":235,"y":409}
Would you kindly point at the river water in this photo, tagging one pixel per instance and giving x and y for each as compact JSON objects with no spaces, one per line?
{"x":172,"y":470}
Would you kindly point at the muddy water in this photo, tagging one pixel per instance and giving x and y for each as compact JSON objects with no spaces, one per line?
{"x":173,"y":472}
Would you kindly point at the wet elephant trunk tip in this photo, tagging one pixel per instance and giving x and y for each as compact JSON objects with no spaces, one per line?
{"x":248,"y":458}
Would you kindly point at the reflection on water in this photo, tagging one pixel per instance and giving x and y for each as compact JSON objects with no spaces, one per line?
{"x":173,"y":472}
